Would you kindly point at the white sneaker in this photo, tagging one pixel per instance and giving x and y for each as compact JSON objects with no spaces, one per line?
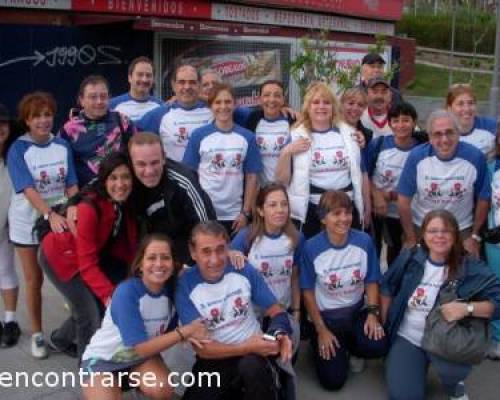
{"x":494,"y":350}
{"x":464,"y":397}
{"x":356,"y":364}
{"x":38,"y":346}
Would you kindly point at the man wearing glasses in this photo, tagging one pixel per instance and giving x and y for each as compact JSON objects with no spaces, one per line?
{"x":445,"y":174}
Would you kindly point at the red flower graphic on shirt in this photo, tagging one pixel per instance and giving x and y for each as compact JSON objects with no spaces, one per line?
{"x":356,"y":277}
{"x":265,"y":270}
{"x":182,"y":134}
{"x":457,"y":191}
{"x":419,"y":298}
{"x":239,"y":308}
{"x":335,"y":282}
{"x":216,"y":318}
{"x":433,"y":190}
{"x":287,"y":267}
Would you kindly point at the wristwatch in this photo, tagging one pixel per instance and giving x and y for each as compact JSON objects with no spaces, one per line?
{"x":476,"y":237}
{"x":47,"y":215}
{"x":470,"y":309}
{"x":247,"y":214}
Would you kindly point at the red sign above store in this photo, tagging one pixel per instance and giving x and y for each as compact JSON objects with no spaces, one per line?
{"x":281,"y":17}
{"x":376,"y":9}
{"x":158,"y":8}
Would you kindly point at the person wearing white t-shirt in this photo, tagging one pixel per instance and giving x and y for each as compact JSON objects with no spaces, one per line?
{"x":445,"y":174}
{"x":475,"y":130}
{"x":227,"y":160}
{"x":224,"y":297}
{"x":409,"y":291}
{"x":271,"y":127}
{"x":138,"y":101}
{"x":339,"y":269}
{"x":322,"y":155}
{"x":176,"y":121}
{"x":379,"y":101}
{"x":43,"y":175}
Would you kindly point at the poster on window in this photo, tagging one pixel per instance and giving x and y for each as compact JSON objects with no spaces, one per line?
{"x":242,"y":69}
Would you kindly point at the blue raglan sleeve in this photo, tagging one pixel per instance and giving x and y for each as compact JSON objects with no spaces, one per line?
{"x":297,"y":254}
{"x":373,"y":268}
{"x":482,"y":185}
{"x":239,"y":242}
{"x":253,"y":160}
{"x":126,"y":314}
{"x":18,"y":169}
{"x":371,"y":156}
{"x":407,"y":185}
{"x":71,"y":178}
{"x":186,"y":310}
{"x":307,"y":273}
{"x":150,"y":122}
{"x":191,"y":156}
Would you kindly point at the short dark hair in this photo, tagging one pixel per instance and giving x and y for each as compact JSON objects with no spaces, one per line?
{"x":402,"y":108}
{"x":211,"y":228}
{"x":182,"y":65}
{"x":92,"y":80}
{"x":137,"y":60}
{"x":272,"y":82}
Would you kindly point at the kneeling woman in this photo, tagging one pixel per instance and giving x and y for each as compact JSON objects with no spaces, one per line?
{"x":340,"y":266}
{"x":96,"y":259}
{"x":273,"y":245}
{"x":410,"y":289}
{"x":138,"y":325}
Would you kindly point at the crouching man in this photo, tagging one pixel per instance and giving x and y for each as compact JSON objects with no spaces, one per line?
{"x":225,"y":298}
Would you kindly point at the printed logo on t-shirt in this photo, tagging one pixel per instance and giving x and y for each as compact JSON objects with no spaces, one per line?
{"x":335,"y":282}
{"x":445,"y":191}
{"x":457,"y":190}
{"x":265,"y":270}
{"x":388,"y":178}
{"x":287,"y":267}
{"x":240,"y":307}
{"x":182,"y":134}
{"x":217,"y":162}
{"x":340,"y":159}
{"x":419,"y":298}
{"x":43,"y":181}
{"x":318,"y":159}
{"x":61,"y":176}
{"x":236,"y":161}
{"x":215,"y":318}
{"x":356,"y":277}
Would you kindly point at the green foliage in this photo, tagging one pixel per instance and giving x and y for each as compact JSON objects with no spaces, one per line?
{"x":435,"y":31}
{"x":318,"y":62}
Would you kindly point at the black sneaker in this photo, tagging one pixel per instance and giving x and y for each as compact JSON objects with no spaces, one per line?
{"x":70,"y":350}
{"x":11,"y":333}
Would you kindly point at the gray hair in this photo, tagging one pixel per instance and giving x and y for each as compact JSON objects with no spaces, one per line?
{"x":210,"y":71}
{"x":437,"y":114}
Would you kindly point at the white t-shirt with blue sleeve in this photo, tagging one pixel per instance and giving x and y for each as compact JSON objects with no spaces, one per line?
{"x":133,"y":108}
{"x":222,"y":158}
{"x":134,"y":316}
{"x":271,"y":137}
{"x":227,"y":306}
{"x":482,"y":136}
{"x":450,"y":184}
{"x":274,"y":258}
{"x":49,"y":169}
{"x":338,"y":274}
{"x":175,"y":124}
{"x":385,"y":161}
{"x":421,"y":302}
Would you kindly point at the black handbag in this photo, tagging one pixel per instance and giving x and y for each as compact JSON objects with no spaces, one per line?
{"x":464,"y":341}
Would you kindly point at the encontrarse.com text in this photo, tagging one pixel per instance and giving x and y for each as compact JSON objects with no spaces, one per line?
{"x":107,"y":379}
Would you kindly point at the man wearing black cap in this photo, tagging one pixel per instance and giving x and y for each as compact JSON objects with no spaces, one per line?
{"x":372,"y":66}
{"x":379,"y":101}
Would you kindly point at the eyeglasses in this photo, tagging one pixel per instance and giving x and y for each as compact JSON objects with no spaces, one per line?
{"x":448,"y":134}
{"x":435,"y":231}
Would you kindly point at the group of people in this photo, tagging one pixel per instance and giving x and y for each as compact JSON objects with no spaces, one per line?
{"x":195,"y":220}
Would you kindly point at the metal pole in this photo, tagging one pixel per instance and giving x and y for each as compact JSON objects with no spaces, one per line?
{"x":450,"y":58}
{"x":496,"y":70}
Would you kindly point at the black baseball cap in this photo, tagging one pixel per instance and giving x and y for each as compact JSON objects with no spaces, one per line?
{"x":376,"y":81}
{"x":4,"y":114}
{"x":372,"y":58}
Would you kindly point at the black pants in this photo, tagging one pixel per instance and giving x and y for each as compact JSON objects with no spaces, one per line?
{"x":390,"y":230}
{"x":241,"y":378}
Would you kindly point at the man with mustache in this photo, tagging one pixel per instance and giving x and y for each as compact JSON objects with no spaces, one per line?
{"x":138,"y":101}
{"x":379,"y":100}
{"x":174,"y":122}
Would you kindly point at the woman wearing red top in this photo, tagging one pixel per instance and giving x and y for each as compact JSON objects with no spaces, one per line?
{"x":86,"y":268}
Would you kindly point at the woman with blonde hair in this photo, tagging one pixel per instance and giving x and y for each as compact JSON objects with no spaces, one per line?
{"x":321,"y":156}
